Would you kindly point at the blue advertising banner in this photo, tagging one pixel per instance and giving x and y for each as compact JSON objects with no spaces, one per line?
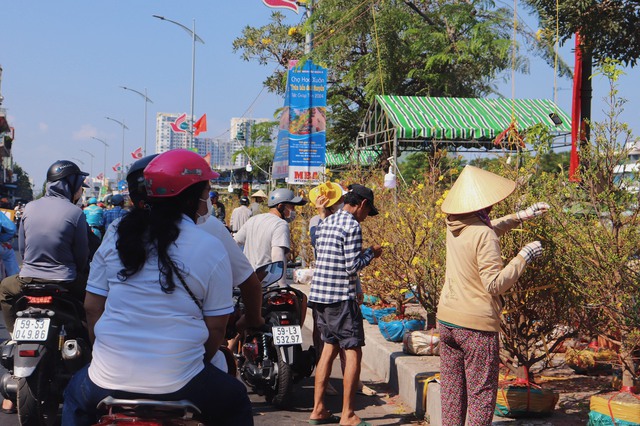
{"x":302,"y":137}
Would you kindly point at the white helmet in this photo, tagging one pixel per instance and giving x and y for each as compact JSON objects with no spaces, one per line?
{"x":286,"y":196}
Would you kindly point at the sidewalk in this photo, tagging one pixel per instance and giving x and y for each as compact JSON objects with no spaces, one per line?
{"x":399,"y":370}
{"x":405,"y":373}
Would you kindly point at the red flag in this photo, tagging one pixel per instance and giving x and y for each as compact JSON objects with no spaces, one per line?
{"x":100,"y":176}
{"x":283,"y":4}
{"x":574,"y":160}
{"x":200,"y":125}
{"x":207,"y":158}
{"x":137,"y":154}
{"x":117,"y":167}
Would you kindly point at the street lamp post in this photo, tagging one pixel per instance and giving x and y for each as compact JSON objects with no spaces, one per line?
{"x":104,"y":165}
{"x":146,"y":100}
{"x":194,"y":38}
{"x":91,"y":155}
{"x":121,"y":123}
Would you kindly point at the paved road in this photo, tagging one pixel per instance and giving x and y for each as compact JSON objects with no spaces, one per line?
{"x":380,"y":410}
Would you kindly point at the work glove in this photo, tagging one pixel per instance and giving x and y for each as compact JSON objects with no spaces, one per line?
{"x":534,"y":210}
{"x":531,"y":251}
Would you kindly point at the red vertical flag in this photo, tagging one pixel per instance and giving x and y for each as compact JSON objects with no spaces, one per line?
{"x":575,"y":112}
{"x":200,"y":125}
{"x":207,"y":158}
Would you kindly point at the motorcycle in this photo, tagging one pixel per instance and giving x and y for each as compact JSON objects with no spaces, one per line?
{"x":271,"y":360}
{"x":50,"y":343}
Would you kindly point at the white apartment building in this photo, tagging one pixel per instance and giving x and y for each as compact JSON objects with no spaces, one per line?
{"x":221,"y":150}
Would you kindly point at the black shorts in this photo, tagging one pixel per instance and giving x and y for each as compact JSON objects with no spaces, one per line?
{"x":340,"y":323}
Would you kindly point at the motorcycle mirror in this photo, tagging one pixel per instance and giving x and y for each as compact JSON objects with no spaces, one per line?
{"x":270,"y":273}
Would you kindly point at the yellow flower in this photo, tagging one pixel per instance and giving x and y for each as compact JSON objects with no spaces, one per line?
{"x":250,"y":42}
{"x":430,"y":224}
{"x":441,"y":177}
{"x":266,"y":41}
{"x":386,"y":215}
{"x":421,"y":186}
{"x":385,"y":244}
{"x":376,"y":274}
{"x":292,"y":31}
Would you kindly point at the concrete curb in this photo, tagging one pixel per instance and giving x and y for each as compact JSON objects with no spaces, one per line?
{"x":401,"y":371}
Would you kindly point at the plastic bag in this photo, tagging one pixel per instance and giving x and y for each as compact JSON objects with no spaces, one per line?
{"x":421,"y":342}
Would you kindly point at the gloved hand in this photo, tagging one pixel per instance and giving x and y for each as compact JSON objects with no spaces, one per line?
{"x":534,"y":210}
{"x":531,"y":251}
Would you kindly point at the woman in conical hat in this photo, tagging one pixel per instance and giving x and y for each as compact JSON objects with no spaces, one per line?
{"x":469,"y":308}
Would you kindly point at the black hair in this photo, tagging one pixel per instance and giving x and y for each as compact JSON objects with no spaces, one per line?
{"x":153,"y":229}
{"x":353,"y":199}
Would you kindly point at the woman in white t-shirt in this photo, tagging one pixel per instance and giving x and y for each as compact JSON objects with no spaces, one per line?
{"x":156,"y":311}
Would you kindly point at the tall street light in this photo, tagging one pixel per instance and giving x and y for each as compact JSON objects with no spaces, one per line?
{"x":194,"y":38}
{"x":121,"y":123}
{"x":146,"y":100}
{"x":92,"y":156}
{"x":104,"y":165}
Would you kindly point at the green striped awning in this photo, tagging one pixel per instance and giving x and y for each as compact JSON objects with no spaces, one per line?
{"x":467,"y":119}
{"x":334,"y":159}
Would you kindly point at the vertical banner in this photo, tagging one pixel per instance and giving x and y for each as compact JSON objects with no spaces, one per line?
{"x":302,"y":137}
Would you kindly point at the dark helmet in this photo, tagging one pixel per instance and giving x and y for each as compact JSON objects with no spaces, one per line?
{"x":117,"y":199}
{"x":63,"y":168}
{"x":135,"y":178}
{"x":244,"y":200}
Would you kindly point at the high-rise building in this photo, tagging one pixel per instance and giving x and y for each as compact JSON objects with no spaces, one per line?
{"x":221,"y":150}
{"x":166,"y":137}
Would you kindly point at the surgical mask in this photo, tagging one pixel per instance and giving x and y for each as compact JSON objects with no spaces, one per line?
{"x":291,"y":217}
{"x":203,"y":218}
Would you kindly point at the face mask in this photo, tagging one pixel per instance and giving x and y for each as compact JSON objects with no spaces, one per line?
{"x":291,"y":217}
{"x":203,"y":218}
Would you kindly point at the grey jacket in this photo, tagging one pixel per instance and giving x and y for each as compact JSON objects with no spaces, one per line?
{"x":53,"y":239}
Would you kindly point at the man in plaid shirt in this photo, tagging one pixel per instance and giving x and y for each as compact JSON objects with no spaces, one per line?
{"x":335,"y":290}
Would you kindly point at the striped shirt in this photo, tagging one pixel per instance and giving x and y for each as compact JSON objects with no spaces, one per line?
{"x":339,"y":259}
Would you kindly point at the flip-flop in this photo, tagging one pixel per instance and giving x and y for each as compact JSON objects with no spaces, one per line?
{"x":326,"y":421}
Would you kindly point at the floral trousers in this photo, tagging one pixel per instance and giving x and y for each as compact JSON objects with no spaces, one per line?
{"x":469,"y":364}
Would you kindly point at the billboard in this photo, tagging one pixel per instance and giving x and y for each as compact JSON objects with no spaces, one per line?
{"x":302,"y":132}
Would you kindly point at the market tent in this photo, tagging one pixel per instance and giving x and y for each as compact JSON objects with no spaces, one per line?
{"x":415,"y":123}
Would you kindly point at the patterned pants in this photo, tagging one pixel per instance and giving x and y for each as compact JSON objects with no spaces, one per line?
{"x":469,"y":365}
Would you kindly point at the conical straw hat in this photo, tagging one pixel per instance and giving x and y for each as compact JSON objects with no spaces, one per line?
{"x":259,"y":194}
{"x":476,"y":189}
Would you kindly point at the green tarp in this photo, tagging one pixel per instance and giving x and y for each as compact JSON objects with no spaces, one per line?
{"x":333,"y":159}
{"x":467,"y":119}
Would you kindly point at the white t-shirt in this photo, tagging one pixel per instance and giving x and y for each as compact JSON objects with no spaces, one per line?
{"x":148,"y":341}
{"x":241,"y":269}
{"x":260,"y":234}
{"x":239,"y":217}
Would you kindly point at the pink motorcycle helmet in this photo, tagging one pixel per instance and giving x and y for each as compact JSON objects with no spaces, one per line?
{"x":173,"y":171}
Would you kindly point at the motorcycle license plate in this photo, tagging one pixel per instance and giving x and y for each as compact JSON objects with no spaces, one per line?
{"x":287,"y":335}
{"x":31,"y":329}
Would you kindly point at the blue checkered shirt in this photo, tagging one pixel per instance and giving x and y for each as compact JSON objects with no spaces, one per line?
{"x":339,"y":259}
{"x":112,"y":214}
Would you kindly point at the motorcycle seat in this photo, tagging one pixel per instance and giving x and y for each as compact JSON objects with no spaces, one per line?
{"x":132,"y":404}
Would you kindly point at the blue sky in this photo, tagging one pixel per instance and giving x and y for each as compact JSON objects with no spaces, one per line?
{"x":64,"y":61}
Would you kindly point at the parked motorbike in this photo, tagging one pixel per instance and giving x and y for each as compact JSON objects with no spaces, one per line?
{"x":271,"y":360}
{"x":50,"y":343}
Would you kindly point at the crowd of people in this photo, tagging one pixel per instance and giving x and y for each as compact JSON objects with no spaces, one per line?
{"x":142,"y":258}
